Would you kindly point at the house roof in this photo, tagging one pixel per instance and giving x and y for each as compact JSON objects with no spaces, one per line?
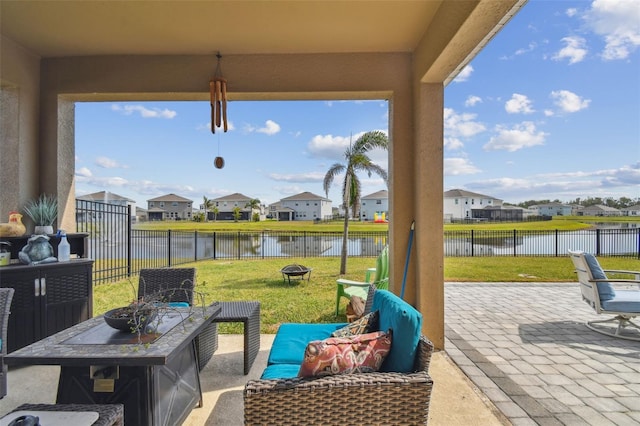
{"x":171,"y":197}
{"x":377,"y":195}
{"x":551,"y":205}
{"x":233,"y":197}
{"x":454,"y":193}
{"x":303,"y":196}
{"x":103,"y":196}
{"x":630,"y":208}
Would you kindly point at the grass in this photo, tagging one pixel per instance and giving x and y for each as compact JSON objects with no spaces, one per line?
{"x":314,"y":300}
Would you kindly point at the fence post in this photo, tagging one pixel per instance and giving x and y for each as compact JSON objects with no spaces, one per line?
{"x":169,"y":248}
{"x":195,"y":246}
{"x":238,"y":245}
{"x":215,"y":255}
{"x":598,"y":242}
{"x":304,"y":244}
{"x":515,"y":242}
{"x":557,"y":243}
{"x":129,"y":240}
{"x":262,"y":245}
{"x":472,"y":243}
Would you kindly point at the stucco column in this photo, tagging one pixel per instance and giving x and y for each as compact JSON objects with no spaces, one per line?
{"x":428,"y":252}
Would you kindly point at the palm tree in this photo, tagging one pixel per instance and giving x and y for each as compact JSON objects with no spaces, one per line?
{"x":357,"y":161}
{"x":253,"y":204}
{"x":215,"y":211}
{"x":207,"y":204}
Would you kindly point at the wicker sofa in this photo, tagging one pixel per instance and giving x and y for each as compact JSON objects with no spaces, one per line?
{"x":397,"y":394}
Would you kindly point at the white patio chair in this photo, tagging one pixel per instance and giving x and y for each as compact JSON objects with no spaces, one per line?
{"x":598,"y":291}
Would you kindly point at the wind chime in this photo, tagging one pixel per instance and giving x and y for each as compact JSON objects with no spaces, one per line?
{"x":218,"y":92}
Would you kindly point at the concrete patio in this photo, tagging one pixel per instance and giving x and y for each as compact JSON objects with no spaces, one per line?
{"x":524,"y":346}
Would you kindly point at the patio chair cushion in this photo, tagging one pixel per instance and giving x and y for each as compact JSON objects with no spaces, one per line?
{"x":406,"y":323}
{"x":625,"y":301}
{"x":291,"y":340}
{"x":280,"y":371}
{"x":605,"y":289}
{"x":362,"y":353}
{"x":366,"y":324}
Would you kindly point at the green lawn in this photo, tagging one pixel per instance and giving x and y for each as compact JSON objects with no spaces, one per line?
{"x":314,"y":301}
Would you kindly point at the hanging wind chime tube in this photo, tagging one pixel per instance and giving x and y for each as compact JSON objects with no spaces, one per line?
{"x":218,"y":93}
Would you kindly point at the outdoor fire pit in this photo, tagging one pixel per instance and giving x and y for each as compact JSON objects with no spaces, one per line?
{"x":295,"y":270}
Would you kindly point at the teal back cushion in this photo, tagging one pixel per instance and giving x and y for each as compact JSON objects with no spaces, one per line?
{"x":406,"y":323}
{"x":605,"y":290}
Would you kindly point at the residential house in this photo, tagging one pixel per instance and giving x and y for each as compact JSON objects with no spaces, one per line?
{"x":375,"y":206}
{"x":600,"y":210}
{"x":104,"y":197}
{"x":458,"y":204}
{"x":170,"y":207}
{"x":304,"y":206}
{"x":552,"y":209}
{"x":631,"y":211}
{"x":229,"y":203}
{"x":498,"y":213}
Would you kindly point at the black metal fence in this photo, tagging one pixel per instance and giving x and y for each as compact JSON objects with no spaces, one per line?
{"x":120,"y":251}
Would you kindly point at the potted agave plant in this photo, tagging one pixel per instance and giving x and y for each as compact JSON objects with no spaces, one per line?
{"x":44,"y":212}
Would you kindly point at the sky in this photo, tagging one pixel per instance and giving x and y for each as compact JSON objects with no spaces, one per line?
{"x":549,"y":109}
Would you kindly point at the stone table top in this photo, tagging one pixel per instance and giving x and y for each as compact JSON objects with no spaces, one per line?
{"x":65,"y":348}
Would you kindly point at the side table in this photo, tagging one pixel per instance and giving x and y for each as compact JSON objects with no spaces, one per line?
{"x":110,"y":414}
{"x":249,"y":314}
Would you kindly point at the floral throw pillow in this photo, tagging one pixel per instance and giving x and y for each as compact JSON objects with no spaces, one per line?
{"x":362,"y":353}
{"x":366,"y":324}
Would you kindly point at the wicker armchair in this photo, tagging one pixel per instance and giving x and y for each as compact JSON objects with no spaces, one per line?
{"x":6,"y":295}
{"x":177,"y":285}
{"x":365,"y":398}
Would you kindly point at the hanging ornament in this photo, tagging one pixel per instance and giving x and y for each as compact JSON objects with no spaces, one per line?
{"x":218,"y":162}
{"x":218,"y":92}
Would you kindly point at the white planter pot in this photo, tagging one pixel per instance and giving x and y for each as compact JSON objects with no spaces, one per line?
{"x":43,"y":230}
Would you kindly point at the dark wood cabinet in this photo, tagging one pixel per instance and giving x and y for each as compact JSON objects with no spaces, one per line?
{"x":48,"y":298}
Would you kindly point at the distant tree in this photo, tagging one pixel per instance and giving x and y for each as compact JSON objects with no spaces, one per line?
{"x":206,"y":204}
{"x":215,"y":212}
{"x":236,"y":214}
{"x":357,"y":160}
{"x":254,"y":204}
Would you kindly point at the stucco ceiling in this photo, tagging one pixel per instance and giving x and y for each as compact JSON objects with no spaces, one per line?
{"x":79,"y":28}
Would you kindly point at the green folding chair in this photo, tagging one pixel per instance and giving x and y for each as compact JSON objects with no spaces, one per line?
{"x":348,"y":288}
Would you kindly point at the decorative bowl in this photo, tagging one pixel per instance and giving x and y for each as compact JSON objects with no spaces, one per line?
{"x":130,"y":320}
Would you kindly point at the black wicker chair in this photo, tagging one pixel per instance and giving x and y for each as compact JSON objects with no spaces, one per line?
{"x":6,"y":295}
{"x":177,"y":285}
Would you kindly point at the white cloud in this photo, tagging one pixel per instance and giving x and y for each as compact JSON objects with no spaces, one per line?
{"x":617,"y":21}
{"x":548,"y":113}
{"x":107,"y":163}
{"x":270,"y":128}
{"x":574,"y":50}
{"x":84,"y":172}
{"x":472,"y":101}
{"x":571,"y":12}
{"x":453,"y":144}
{"x":464,"y":74}
{"x":518,"y":104}
{"x":459,"y":166}
{"x":568,"y":101}
{"x":144,"y":111}
{"x":530,"y":47}
{"x":523,"y":135}
{"x":461,"y":125}
{"x":301,"y":177}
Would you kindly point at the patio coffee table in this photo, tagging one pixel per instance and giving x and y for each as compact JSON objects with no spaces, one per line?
{"x":157,"y":382}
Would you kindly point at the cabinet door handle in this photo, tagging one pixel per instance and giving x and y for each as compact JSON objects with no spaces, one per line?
{"x":43,"y":286}
{"x":36,"y":285}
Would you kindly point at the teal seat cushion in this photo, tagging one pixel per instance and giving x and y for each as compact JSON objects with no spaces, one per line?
{"x":291,"y":340}
{"x":625,"y":301}
{"x":280,"y":371}
{"x":406,"y":323}
{"x":605,"y":289}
